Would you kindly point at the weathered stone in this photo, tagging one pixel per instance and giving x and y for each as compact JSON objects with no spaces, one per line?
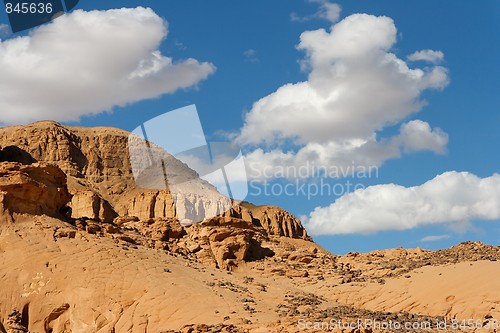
{"x":35,"y":189}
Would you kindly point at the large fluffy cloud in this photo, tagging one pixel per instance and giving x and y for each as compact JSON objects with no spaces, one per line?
{"x":356,"y":88}
{"x":452,"y":198}
{"x":88,"y":62}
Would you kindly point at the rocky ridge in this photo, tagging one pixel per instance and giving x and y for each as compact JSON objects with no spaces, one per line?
{"x":101,"y":181}
{"x":102,"y":197}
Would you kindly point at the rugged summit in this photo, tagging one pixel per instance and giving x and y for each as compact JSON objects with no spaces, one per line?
{"x":97,"y":164}
{"x":101,"y":196}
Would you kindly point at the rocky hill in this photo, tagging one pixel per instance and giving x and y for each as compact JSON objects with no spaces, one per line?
{"x":81,"y":251}
{"x":100,"y":179}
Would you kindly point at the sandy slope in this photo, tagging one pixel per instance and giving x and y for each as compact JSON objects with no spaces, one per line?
{"x":464,"y":290}
{"x":96,"y":284}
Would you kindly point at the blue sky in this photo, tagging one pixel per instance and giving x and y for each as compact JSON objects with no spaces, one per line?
{"x":253,"y":46}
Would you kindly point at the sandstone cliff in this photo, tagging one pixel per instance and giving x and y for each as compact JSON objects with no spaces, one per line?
{"x":100,"y":178}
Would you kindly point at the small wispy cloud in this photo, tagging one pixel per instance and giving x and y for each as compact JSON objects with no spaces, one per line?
{"x":179,"y":45}
{"x":4,"y":30}
{"x":250,"y":55}
{"x":327,"y":11}
{"x":434,"y":238}
{"x":431,"y":56}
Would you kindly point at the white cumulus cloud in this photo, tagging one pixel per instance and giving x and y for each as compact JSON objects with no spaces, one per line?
{"x":356,"y":88}
{"x":417,"y":135}
{"x":452,"y":198}
{"x":88,"y":62}
{"x":431,"y":56}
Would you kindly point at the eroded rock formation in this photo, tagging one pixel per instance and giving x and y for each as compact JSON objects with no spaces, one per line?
{"x":35,"y":189}
{"x":100,"y":178}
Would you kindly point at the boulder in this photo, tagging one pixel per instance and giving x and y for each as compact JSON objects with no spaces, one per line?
{"x":229,"y":246}
{"x":35,"y":189}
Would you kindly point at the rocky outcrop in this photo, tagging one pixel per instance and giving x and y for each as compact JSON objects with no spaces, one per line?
{"x":106,"y":199}
{"x":275,"y":220}
{"x":98,"y":166}
{"x":34,"y":189}
{"x":90,"y":204}
{"x":96,"y":155}
{"x":223,"y":243}
{"x":225,"y":247}
{"x":95,"y":160}
{"x":100,"y":176}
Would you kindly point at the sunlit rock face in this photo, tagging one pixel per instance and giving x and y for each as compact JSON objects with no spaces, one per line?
{"x":103,"y":186}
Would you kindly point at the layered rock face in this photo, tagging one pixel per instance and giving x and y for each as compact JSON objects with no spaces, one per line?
{"x":34,"y":189}
{"x":275,"y":220}
{"x":100,"y":178}
{"x":95,"y":161}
